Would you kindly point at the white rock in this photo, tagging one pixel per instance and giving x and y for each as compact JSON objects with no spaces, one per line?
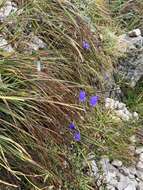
{"x":117,"y":163}
{"x":36,"y":44}
{"x":140,"y":166}
{"x":4,"y":45}
{"x":122,"y":115}
{"x":133,"y":139}
{"x":141,"y":157}
{"x":139,"y":150}
{"x":135,"y":33}
{"x":94,"y":168}
{"x":125,"y":117}
{"x":135,"y":115}
{"x":5,"y":10}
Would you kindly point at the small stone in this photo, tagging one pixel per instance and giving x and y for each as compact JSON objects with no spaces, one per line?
{"x":139,"y":150}
{"x":133,"y":139}
{"x":135,"y":33}
{"x":135,"y":115}
{"x":4,"y":45}
{"x":132,"y":149}
{"x":140,"y":166}
{"x":94,"y":168}
{"x":117,"y":163}
{"x":5,"y":10}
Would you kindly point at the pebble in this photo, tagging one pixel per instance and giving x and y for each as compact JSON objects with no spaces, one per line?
{"x":135,"y":33}
{"x":135,"y":115}
{"x":117,"y":163}
{"x":133,"y":139}
{"x":94,"y":167}
{"x":4,"y":45}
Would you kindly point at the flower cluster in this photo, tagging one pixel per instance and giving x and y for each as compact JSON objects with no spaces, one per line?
{"x":93,"y":101}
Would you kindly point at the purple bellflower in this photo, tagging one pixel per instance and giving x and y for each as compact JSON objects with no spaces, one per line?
{"x":77,"y":136}
{"x":85,"y":45}
{"x":94,"y":100}
{"x":82,"y":96}
{"x":72,"y":126}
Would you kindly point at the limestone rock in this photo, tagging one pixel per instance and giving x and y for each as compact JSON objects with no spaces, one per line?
{"x":4,"y":45}
{"x":135,"y":33}
{"x":117,"y":163}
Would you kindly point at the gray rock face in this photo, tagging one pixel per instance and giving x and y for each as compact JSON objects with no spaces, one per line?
{"x":131,"y":67}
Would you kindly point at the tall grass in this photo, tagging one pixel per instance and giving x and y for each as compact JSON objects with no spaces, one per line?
{"x":128,"y":13}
